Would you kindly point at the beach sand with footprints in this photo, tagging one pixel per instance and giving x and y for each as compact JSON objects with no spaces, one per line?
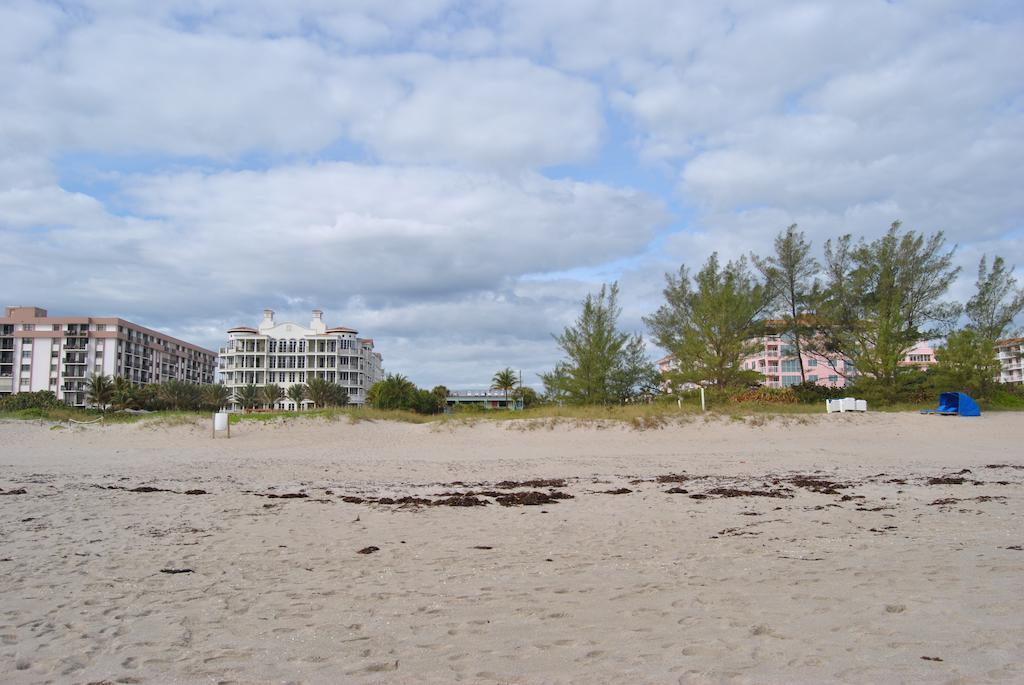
{"x":869,"y":548}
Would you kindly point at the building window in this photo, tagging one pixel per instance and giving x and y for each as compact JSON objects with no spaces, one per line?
{"x":790,"y":380}
{"x":25,"y":367}
{"x":25,"y":354}
{"x":833,"y":379}
{"x":791,"y":365}
{"x":812,"y":379}
{"x":101,"y":327}
{"x":811,"y":363}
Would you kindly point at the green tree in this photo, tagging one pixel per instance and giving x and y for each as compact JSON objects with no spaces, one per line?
{"x":215,"y":396}
{"x":528,"y":396}
{"x":997,"y":301}
{"x":247,"y":395}
{"x":272,"y":394}
{"x":707,"y":325}
{"x":592,"y":346}
{"x":423,"y":402}
{"x":881,"y":298}
{"x":789,"y":274}
{"x":394,"y":392}
{"x":324,"y":393}
{"x":148,"y":397}
{"x":440,"y":394}
{"x":178,"y":395}
{"x":99,"y":391}
{"x":966,"y":361}
{"x":338,"y":396}
{"x":634,"y":375}
{"x":297,"y":393}
{"x":506,"y":381}
{"x":125,"y":394}
{"x":319,"y":391}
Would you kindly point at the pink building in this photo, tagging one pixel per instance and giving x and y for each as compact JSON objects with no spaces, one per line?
{"x":775,"y":359}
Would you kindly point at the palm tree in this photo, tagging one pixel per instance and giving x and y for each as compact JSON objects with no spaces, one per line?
{"x":99,"y":390}
{"x":177,"y":394}
{"x":297,"y":393}
{"x":247,"y":396}
{"x":504,"y":380}
{"x":216,"y":396}
{"x":440,"y":394}
{"x":272,"y":394}
{"x":324,"y":393}
{"x":124,"y":393}
{"x":318,"y":390}
{"x":394,"y":392}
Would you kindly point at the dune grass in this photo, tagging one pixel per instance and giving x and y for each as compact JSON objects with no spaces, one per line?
{"x":640,"y":416}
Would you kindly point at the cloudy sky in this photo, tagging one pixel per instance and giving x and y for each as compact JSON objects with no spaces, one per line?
{"x":451,"y":178}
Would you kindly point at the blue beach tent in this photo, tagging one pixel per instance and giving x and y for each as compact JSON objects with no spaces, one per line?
{"x":955,"y":404}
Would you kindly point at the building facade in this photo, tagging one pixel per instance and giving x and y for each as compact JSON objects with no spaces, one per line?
{"x":59,"y":354}
{"x":774,"y":357}
{"x":484,"y":399}
{"x":1010,"y":354}
{"x":288,"y":353}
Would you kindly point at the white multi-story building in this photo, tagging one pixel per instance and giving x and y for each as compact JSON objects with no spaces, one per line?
{"x":59,"y":354}
{"x":288,"y":353}
{"x":1010,"y":354}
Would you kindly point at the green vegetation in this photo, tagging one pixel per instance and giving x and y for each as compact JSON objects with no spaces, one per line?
{"x":396,"y":392}
{"x":707,"y":325}
{"x":966,"y":360}
{"x":881,"y":299}
{"x":297,"y":393}
{"x":504,"y":380}
{"x":99,"y":391}
{"x":753,"y":406}
{"x":789,"y":275}
{"x":323,"y":393}
{"x":272,"y":394}
{"x":602,"y":364}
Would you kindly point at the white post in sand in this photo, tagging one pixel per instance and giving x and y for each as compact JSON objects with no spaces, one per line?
{"x":221,"y":423}
{"x":702,"y":407}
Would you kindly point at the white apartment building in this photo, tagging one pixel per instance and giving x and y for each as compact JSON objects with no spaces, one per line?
{"x":59,"y":354}
{"x":1010,"y":354}
{"x":287,"y":353}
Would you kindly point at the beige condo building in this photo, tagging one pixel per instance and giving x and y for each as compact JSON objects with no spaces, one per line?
{"x":286,"y":353}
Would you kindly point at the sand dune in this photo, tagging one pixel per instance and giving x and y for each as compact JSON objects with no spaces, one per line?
{"x":877,"y":548}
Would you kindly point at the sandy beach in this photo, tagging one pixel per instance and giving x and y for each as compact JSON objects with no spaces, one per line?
{"x":875,"y":548}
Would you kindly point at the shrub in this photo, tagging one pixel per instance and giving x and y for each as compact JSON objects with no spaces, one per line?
{"x":910,"y":386}
{"x":812,"y":393}
{"x":43,"y":399}
{"x":766,"y":395}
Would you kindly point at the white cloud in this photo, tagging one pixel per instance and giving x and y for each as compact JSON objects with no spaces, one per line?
{"x":840,"y":116}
